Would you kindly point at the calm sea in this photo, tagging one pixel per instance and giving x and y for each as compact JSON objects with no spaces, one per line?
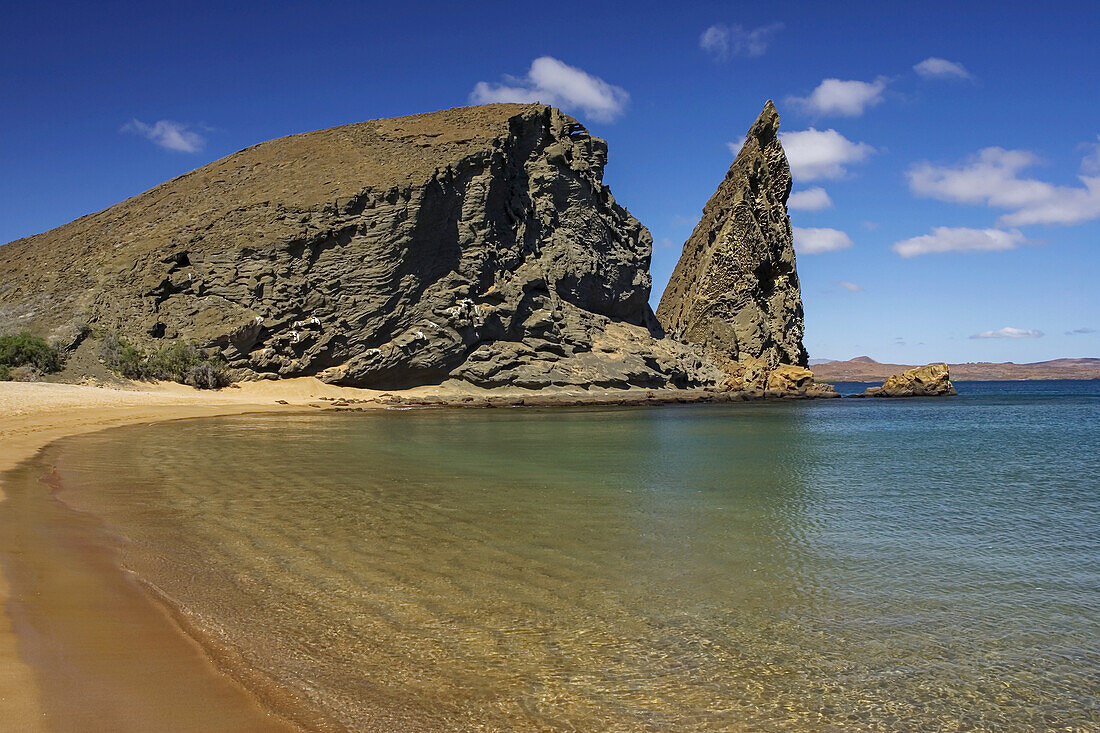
{"x":925,"y":564}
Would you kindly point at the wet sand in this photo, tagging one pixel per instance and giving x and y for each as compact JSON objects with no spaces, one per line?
{"x":32,"y":415}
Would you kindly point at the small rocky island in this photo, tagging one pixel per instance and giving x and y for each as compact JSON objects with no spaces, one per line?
{"x":476,"y":245}
{"x":931,"y":380}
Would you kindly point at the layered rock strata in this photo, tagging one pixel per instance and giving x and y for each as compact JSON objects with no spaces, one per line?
{"x":477,"y":243}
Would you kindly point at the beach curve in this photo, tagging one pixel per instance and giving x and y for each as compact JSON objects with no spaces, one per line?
{"x":33,"y":415}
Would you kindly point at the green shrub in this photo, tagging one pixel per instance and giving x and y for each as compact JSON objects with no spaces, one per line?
{"x":25,"y":373}
{"x":25,"y":350}
{"x":121,"y":356}
{"x":172,"y":361}
{"x":206,"y":375}
{"x":176,"y":362}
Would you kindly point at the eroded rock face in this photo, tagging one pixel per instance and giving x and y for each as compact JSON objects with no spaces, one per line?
{"x":931,"y":380}
{"x":477,"y":243}
{"x":735,"y":291}
{"x":795,"y":381}
{"x":757,"y":378}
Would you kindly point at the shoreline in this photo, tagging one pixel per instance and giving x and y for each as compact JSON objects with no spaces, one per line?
{"x":120,"y":657}
{"x":35,"y":415}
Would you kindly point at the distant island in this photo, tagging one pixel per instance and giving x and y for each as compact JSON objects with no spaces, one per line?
{"x":866,"y":369}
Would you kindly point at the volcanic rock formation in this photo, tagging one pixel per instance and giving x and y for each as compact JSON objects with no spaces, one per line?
{"x":735,"y":291}
{"x":477,"y":243}
{"x":931,"y":380}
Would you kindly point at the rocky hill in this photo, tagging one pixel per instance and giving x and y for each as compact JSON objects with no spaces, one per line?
{"x":477,"y":243}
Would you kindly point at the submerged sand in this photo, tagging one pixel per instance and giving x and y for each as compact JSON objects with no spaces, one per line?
{"x":35,"y":414}
{"x":32,"y":415}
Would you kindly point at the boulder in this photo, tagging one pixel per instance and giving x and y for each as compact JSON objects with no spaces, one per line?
{"x":756,"y":378}
{"x":931,"y":380}
{"x":748,"y":374}
{"x":788,"y":380}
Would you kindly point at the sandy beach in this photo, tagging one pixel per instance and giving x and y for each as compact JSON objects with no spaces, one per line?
{"x":34,"y":414}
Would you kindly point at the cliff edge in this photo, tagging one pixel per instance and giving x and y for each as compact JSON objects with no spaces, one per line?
{"x":477,"y":243}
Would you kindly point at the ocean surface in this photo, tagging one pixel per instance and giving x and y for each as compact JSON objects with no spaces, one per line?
{"x":880,"y":565}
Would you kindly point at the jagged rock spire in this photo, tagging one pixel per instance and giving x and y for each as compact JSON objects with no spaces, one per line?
{"x":735,"y":290}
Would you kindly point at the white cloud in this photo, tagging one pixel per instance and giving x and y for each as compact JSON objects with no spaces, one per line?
{"x":937,"y":68}
{"x":168,"y":134}
{"x":992,"y":177}
{"x":721,"y":41}
{"x":1090,"y":165}
{"x":1080,"y":331}
{"x":735,"y":147}
{"x":815,"y":154}
{"x":685,"y":222}
{"x":716,"y":41}
{"x":844,"y":98}
{"x":812,"y":199}
{"x":551,"y":81}
{"x":1008,"y":332}
{"x":959,"y":239}
{"x":812,"y":241}
{"x":850,"y":287}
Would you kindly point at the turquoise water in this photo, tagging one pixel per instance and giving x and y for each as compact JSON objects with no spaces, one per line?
{"x":833,"y":565}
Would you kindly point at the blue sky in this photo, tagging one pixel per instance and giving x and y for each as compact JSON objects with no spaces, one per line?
{"x":986,"y":152}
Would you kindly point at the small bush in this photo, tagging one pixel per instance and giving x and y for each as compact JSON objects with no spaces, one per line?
{"x":24,"y":350}
{"x":25,"y":373}
{"x":172,"y":361}
{"x":206,"y":375}
{"x":121,"y":356}
{"x":175,"y":362}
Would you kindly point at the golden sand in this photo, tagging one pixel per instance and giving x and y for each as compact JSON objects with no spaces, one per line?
{"x":35,"y":414}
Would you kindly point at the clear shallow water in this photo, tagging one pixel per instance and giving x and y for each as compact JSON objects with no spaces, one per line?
{"x":839,"y":565}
